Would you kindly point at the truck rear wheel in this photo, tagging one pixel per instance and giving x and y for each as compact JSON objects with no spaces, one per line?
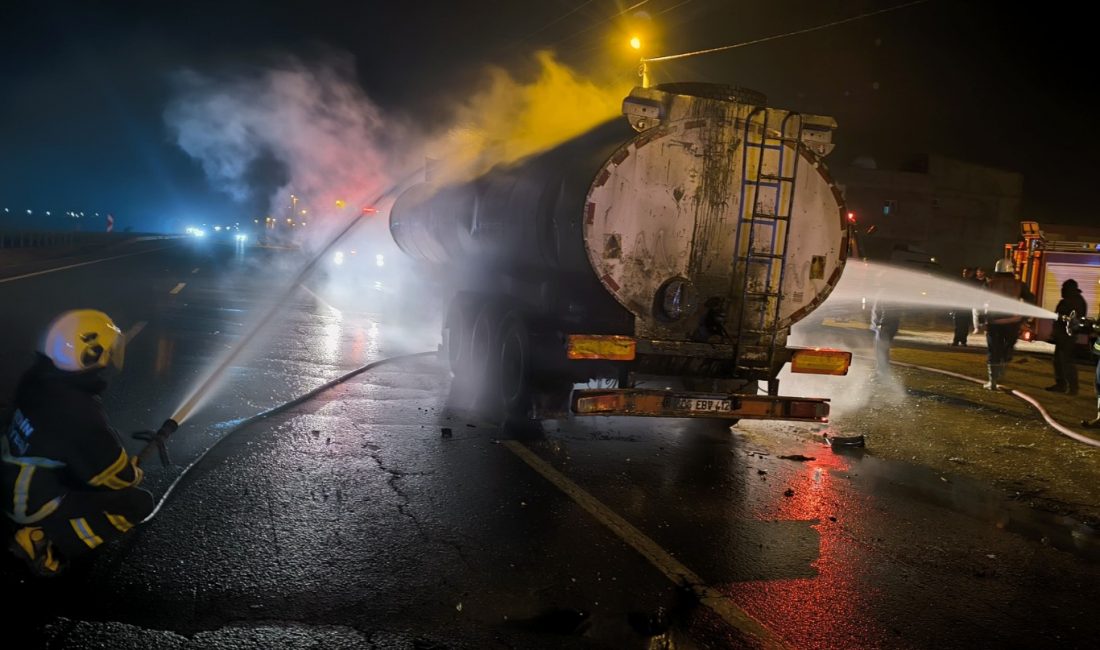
{"x":499,"y":362}
{"x":458,"y":333}
{"x":482,"y":345}
{"x":511,"y":378}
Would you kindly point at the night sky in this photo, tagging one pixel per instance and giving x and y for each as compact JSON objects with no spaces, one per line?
{"x":85,"y":84}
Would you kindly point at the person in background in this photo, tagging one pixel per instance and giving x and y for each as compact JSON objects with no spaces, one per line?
{"x":963,"y":318}
{"x":1002,"y":329}
{"x":977,"y":316}
{"x":1065,"y":371}
{"x":1095,"y":422}
{"x":885,"y":322}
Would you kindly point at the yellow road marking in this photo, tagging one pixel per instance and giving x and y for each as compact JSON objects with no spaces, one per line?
{"x":73,"y":266}
{"x":673,"y":569}
{"x":178,"y":288}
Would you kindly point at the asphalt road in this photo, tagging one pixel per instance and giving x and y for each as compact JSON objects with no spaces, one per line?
{"x":351,"y":521}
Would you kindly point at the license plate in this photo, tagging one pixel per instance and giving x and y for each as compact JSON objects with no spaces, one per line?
{"x":705,"y":405}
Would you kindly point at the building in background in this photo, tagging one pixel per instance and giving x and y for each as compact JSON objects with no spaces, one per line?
{"x":934,"y":211}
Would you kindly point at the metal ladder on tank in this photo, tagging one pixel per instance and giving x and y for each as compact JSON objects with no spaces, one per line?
{"x":758,"y":323}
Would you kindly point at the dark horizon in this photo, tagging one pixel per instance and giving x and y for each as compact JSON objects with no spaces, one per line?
{"x":83,"y":127}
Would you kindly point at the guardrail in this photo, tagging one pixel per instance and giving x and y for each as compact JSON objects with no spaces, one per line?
{"x":32,"y":239}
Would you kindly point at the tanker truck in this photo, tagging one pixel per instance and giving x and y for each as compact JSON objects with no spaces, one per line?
{"x":652,"y":266}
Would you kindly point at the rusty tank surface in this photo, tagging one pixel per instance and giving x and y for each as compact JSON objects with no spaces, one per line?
{"x":652,"y":266}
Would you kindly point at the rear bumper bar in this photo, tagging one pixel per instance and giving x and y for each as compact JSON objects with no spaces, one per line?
{"x":663,"y":403}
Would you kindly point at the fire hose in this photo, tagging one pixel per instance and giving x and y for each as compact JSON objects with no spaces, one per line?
{"x":157,"y":443}
{"x":1054,"y":424}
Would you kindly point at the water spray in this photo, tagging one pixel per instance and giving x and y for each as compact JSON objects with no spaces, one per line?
{"x":909,"y":288}
{"x":157,"y":440}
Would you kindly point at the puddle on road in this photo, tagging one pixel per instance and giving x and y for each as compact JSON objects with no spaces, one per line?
{"x":976,"y":500}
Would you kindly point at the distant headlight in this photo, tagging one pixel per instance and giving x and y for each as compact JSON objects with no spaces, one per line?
{"x":338,"y":258}
{"x":242,"y":238}
{"x":199,"y":232}
{"x":380,"y":260}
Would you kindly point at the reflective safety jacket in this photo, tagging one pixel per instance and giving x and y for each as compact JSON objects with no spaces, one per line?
{"x":59,"y":440}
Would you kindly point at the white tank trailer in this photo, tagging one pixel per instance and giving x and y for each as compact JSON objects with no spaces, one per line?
{"x":652,"y":266}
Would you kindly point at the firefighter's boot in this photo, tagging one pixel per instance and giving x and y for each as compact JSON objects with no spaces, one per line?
{"x":1093,"y":424}
{"x":992,"y":383}
{"x":30,"y":545}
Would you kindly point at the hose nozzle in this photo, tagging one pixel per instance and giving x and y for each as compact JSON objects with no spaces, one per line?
{"x":168,"y":428}
{"x":158,"y":442}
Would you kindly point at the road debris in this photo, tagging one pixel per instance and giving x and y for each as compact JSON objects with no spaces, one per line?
{"x":844,"y":441}
{"x":446,"y":432}
{"x":798,"y":457}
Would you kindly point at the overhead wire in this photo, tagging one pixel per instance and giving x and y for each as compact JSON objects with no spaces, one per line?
{"x":522,"y":39}
{"x":557,"y":20}
{"x":598,"y":23}
{"x":712,"y":50}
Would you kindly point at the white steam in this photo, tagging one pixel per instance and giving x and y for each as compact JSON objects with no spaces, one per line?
{"x":308,"y":130}
{"x":865,"y":282}
{"x":314,"y":121}
{"x":338,"y":149}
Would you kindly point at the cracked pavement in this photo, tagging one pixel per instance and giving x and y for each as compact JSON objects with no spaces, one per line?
{"x":350,"y":521}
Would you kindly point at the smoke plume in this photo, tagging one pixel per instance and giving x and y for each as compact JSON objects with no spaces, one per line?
{"x":510,"y":118}
{"x":334,"y":144}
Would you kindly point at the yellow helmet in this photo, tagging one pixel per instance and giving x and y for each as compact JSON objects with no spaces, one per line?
{"x":84,"y":339}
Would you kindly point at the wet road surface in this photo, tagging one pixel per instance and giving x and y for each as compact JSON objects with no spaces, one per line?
{"x":350,"y":521}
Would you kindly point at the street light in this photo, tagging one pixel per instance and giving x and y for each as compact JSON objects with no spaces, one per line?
{"x":643,"y":67}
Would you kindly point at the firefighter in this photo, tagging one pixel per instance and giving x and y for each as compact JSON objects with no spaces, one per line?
{"x":962,"y":318}
{"x":1065,"y":371}
{"x":1002,"y":330}
{"x":885,"y":323}
{"x":68,"y":484}
{"x":1095,"y":423}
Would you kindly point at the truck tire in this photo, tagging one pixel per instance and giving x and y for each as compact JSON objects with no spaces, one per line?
{"x":458,"y":333}
{"x":499,"y":362}
{"x":482,"y":344}
{"x":510,"y":378}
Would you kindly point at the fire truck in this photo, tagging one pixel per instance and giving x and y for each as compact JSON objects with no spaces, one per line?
{"x":1044,"y":264}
